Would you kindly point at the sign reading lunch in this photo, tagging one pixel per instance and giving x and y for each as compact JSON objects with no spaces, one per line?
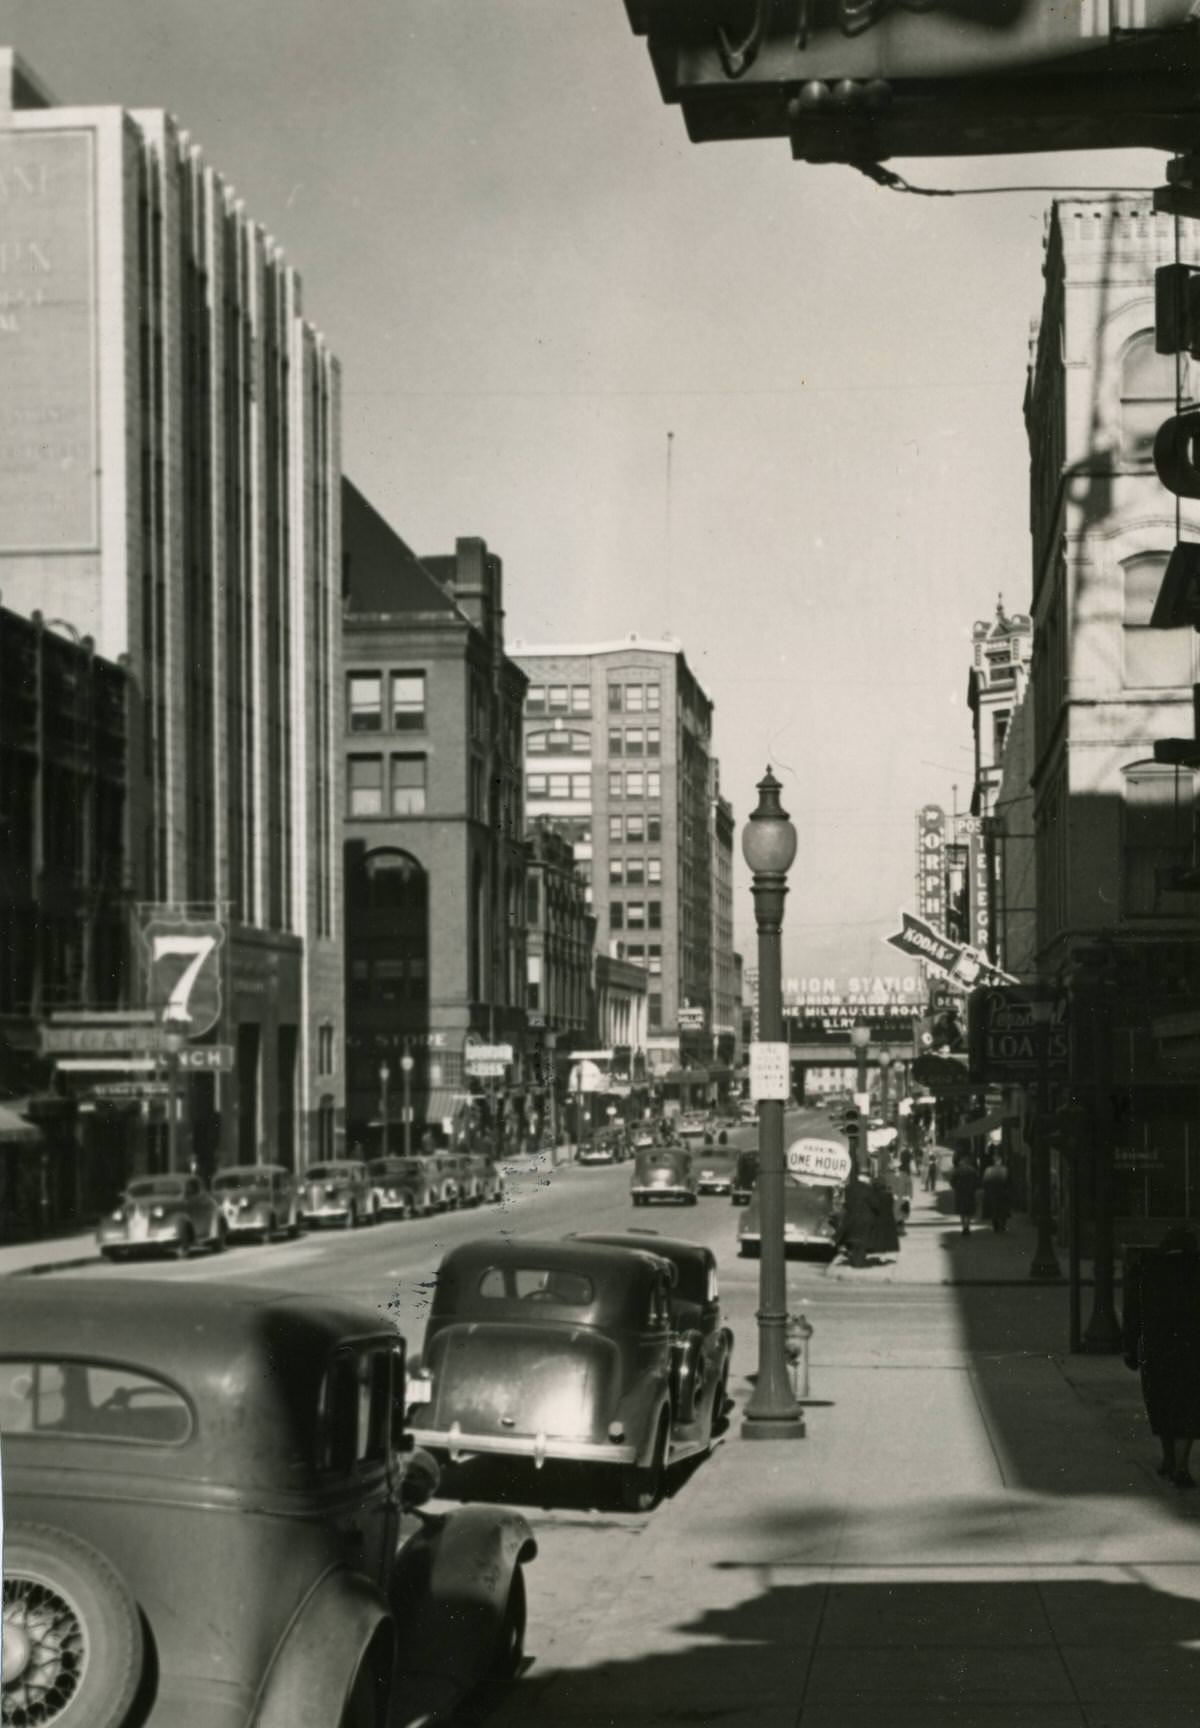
{"x":48,"y":457}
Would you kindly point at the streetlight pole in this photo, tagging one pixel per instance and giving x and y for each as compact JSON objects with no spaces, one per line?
{"x":385,"y":1075}
{"x":406,"y":1069}
{"x":884,"y":1060}
{"x":769,"y":846}
{"x":1045,"y":1262}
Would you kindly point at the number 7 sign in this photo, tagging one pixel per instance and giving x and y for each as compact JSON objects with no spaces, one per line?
{"x":184,"y":985}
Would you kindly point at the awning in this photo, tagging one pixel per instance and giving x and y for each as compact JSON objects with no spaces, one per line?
{"x":982,"y":1125}
{"x":15,"y":1130}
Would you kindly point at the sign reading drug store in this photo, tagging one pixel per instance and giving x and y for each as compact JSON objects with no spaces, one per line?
{"x":819,"y":1160}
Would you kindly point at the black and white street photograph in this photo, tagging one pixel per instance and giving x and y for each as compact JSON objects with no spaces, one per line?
{"x":600,"y":863}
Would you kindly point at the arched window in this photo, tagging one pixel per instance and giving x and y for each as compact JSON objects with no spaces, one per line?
{"x":387,"y":931}
{"x":1152,"y":659}
{"x":1147,"y":396}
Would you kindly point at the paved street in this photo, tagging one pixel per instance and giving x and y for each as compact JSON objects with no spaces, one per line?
{"x":971,"y":1534}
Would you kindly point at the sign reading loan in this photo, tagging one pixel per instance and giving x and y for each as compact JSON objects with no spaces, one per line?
{"x":48,"y":457}
{"x":184,"y":985}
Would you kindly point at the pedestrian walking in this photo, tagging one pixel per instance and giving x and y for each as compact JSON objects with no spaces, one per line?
{"x":931,"y":1172}
{"x":1161,"y":1339}
{"x":964,"y":1180}
{"x":997,"y":1194}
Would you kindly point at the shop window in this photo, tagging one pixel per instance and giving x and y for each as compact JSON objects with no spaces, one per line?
{"x":364,"y":785}
{"x":408,"y":701}
{"x":408,"y":785}
{"x":364,"y":694}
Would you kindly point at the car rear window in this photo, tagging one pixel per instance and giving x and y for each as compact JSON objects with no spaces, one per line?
{"x":241,"y":1179}
{"x":536,"y":1284}
{"x":157,"y":1188}
{"x":355,"y":1413}
{"x":91,"y":1401}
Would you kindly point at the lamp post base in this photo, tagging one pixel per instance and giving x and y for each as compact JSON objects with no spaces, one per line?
{"x":789,"y":1427}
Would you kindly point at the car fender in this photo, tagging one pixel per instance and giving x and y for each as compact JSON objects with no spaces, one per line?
{"x":449,"y":1590}
{"x":318,"y":1656}
{"x":640,"y":1411}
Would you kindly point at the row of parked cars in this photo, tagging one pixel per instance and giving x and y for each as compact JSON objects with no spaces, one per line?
{"x":173,"y":1214}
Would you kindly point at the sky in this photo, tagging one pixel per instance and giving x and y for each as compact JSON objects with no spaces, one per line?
{"x":532,"y":279}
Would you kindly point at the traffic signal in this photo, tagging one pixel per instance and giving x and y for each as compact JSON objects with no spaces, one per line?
{"x":852,"y":1129}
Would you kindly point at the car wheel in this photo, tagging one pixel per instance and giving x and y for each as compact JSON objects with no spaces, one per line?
{"x":748,"y":1250}
{"x":182,"y":1246}
{"x":642,"y":1485}
{"x":510,"y":1642}
{"x":351,"y":1218}
{"x":366,"y":1703}
{"x":719,"y":1417}
{"x":272,"y":1228}
{"x":219,"y":1240}
{"x":73,"y":1652}
{"x":113,"y":1254}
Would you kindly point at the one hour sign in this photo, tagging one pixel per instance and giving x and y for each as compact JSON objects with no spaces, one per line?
{"x":819,"y":1160}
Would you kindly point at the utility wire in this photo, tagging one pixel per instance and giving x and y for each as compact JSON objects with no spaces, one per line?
{"x":893,"y":182}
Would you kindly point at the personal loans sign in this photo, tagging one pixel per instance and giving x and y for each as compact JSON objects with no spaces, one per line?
{"x":1017,"y":1032}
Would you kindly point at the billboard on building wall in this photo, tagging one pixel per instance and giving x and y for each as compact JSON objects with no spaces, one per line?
{"x":49,"y":466}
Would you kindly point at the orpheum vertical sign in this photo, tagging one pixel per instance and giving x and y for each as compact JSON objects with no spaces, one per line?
{"x":931,"y":865}
{"x":48,"y":459}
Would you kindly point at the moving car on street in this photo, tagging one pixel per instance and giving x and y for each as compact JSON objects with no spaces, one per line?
{"x":340,"y":1192}
{"x":715,"y":1168}
{"x":164,"y":1215}
{"x":240,"y":1547}
{"x":404,"y":1187}
{"x":693,"y":1126}
{"x":564,"y":1350}
{"x":809,"y":1219}
{"x":745,"y":1175}
{"x":663,"y":1173}
{"x":258,"y":1200}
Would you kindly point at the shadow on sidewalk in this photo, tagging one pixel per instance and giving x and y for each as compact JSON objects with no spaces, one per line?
{"x":565,"y":1487}
{"x":990,"y":1653}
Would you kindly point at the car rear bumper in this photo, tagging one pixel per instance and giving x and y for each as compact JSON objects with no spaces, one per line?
{"x":713,"y":1187}
{"x":316,"y":1213}
{"x":536,"y":1446}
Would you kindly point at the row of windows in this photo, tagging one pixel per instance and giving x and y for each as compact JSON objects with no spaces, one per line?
{"x":651,"y":957}
{"x":635,"y":870}
{"x":558,"y":743}
{"x":634,"y":826}
{"x":634,"y":698}
{"x":633,"y":783}
{"x":558,"y":786}
{"x":558,"y":699}
{"x":635,"y":915}
{"x":402,"y":777}
{"x":365,"y":701}
{"x":635,"y":741}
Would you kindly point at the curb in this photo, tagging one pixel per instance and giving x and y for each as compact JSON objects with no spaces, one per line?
{"x":51,"y":1266}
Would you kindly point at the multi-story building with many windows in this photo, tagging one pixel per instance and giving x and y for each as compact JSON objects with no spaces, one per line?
{"x":618,"y":745}
{"x":726,"y":996}
{"x":433,"y":823}
{"x":169,"y":470}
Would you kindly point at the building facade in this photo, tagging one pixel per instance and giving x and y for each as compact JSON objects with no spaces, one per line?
{"x":1114,"y":830}
{"x":433,"y":824}
{"x":169,"y":468}
{"x":618,"y":747}
{"x":559,"y":989}
{"x":726,"y":993}
{"x":1002,"y":648}
{"x":65,"y":872}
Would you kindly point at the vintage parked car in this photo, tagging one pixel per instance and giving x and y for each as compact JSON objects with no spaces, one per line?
{"x":715,"y":1168}
{"x":560,"y":1350}
{"x":809,"y":1218}
{"x":240,"y":1546}
{"x":404,"y":1187}
{"x":341,"y":1191}
{"x":257,"y":1200}
{"x":163,"y":1214}
{"x":745,"y":1175}
{"x":695,"y":1316}
{"x":478,"y":1179}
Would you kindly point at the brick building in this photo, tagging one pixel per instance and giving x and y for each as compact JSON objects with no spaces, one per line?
{"x":560,"y":935}
{"x":433,"y":825}
{"x":179,"y":506}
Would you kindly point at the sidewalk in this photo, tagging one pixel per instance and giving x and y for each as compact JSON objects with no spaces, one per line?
{"x":970,"y":1537}
{"x":933,"y":1250}
{"x":51,"y":1254}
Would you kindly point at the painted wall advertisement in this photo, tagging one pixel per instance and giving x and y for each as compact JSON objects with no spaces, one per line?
{"x":48,"y":457}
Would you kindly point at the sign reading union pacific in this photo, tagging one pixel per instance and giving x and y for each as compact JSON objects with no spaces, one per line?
{"x":48,"y":461}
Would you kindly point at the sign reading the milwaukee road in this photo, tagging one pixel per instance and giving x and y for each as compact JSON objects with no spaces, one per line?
{"x":1017,"y":1031}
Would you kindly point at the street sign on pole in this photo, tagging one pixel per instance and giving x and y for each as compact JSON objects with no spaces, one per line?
{"x":827,"y":1160}
{"x":473,"y":1053}
{"x":486,"y":1070}
{"x":770,"y":1072}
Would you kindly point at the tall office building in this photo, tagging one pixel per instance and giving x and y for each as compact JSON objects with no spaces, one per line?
{"x":169,"y":468}
{"x":618,"y":747}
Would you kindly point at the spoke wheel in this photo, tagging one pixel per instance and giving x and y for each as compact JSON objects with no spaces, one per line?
{"x":72,"y":1637}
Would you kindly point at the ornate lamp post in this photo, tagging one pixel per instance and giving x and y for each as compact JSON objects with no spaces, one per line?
{"x":884,"y":1060}
{"x":385,"y":1075}
{"x":769,"y":846}
{"x":406,"y":1069}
